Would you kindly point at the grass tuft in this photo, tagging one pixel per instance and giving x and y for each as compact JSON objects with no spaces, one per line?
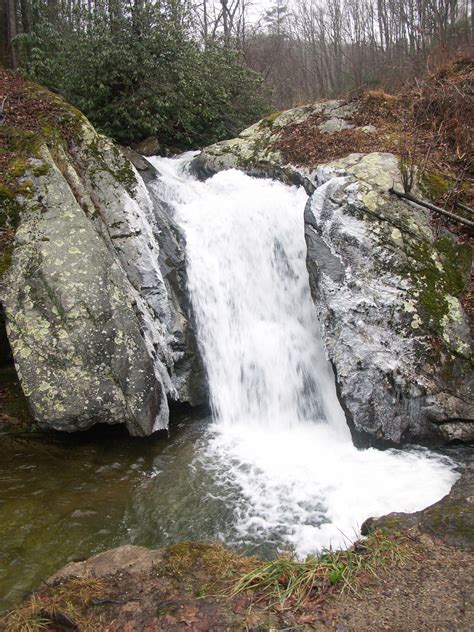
{"x":61,"y":608}
{"x":26,"y":618}
{"x":288,"y":582}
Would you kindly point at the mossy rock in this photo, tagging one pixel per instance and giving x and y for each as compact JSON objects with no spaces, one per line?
{"x":268,"y":121}
{"x":451,"y":519}
{"x":440,"y":273}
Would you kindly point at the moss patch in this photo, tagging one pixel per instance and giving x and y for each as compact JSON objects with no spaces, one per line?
{"x":119,"y":168}
{"x":5,"y":259}
{"x":269,"y":120}
{"x":435,"y":185}
{"x":439,"y":271}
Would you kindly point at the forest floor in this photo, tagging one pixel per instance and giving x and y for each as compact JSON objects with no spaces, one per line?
{"x":429,"y":124}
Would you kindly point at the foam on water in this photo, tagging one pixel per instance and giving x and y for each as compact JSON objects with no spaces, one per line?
{"x":279,"y":446}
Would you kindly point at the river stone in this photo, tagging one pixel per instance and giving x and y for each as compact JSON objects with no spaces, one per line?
{"x":129,"y":559}
{"x":451,"y":519}
{"x":148,"y":147}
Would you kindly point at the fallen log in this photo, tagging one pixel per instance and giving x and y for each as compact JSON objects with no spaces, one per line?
{"x":432,"y":207}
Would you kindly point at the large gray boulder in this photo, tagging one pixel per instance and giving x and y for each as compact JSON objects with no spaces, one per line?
{"x":98,"y":331}
{"x":387,"y":291}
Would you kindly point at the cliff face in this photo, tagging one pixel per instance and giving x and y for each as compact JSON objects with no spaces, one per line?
{"x":93,"y":286}
{"x":389,"y":284}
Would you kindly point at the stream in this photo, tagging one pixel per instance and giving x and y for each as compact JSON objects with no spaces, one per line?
{"x":273,"y":468}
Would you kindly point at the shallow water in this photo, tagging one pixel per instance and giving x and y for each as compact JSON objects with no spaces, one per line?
{"x":65,"y":498}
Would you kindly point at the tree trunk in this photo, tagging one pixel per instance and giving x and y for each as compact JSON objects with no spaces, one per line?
{"x":3,"y":34}
{"x":25,"y":17}
{"x":12,"y":60}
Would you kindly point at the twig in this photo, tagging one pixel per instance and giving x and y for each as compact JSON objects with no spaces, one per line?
{"x":468,"y":209}
{"x":432,"y":207}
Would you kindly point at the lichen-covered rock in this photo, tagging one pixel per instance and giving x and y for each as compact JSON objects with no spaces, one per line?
{"x":253,"y":151}
{"x":77,"y":344}
{"x":387,"y":289}
{"x":97,"y":332}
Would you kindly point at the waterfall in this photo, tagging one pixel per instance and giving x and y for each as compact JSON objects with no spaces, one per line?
{"x":279,"y":447}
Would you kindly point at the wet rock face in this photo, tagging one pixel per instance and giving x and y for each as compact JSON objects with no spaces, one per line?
{"x":97,"y":330}
{"x":188,"y":374}
{"x":386,"y":289}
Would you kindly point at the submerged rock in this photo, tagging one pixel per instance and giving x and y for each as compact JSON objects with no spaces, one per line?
{"x":387,"y":283}
{"x":98,"y":331}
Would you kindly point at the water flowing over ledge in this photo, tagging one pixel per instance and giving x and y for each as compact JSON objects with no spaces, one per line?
{"x":279,"y":450}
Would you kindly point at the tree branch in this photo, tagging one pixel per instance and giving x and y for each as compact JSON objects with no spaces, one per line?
{"x":432,"y":207}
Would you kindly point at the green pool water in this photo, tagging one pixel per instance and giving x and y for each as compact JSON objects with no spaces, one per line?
{"x":64,"y":498}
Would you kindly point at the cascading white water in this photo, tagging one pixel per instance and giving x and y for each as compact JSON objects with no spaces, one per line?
{"x":279,"y":450}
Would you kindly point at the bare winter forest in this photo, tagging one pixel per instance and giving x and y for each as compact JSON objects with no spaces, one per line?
{"x":304,"y":50}
{"x":195,"y":71}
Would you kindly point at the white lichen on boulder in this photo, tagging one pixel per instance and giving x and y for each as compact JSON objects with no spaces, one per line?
{"x":97,"y":333}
